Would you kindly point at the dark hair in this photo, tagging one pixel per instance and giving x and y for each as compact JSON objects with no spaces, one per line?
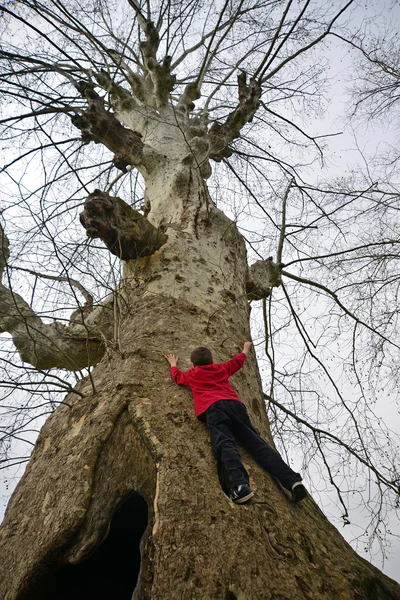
{"x":201,"y":356}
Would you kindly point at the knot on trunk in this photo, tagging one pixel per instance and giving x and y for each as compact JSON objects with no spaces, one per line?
{"x":125,"y":232}
{"x":261,"y":277}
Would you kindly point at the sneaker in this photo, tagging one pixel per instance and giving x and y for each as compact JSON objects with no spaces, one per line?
{"x":240,"y":494}
{"x":299,"y":492}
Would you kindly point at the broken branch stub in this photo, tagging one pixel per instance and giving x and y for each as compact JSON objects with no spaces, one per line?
{"x":125,"y":232}
{"x":261,"y":277}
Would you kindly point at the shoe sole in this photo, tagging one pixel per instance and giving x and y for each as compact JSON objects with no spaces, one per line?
{"x":299,"y":493}
{"x":243,"y":499}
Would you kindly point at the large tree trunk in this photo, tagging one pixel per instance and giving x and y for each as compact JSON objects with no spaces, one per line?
{"x":137,"y":437}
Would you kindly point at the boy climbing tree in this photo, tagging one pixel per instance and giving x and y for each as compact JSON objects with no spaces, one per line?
{"x":216,"y":401}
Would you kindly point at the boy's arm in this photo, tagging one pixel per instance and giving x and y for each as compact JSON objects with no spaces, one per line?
{"x":180,"y":377}
{"x":237,"y":361}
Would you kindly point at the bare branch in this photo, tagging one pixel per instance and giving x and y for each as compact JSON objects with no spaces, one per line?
{"x":45,"y":345}
{"x":99,"y":125}
{"x":307,"y":46}
{"x":276,"y":35}
{"x":283,"y":225}
{"x":330,"y":436}
{"x":88,"y":297}
{"x":339,"y":303}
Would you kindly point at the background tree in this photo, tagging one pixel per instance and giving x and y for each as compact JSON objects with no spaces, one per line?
{"x":162,"y":91}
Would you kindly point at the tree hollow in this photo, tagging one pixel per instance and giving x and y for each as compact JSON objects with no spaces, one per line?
{"x":112,"y":569}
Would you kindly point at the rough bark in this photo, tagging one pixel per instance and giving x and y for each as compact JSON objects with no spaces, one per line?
{"x":139,"y":435}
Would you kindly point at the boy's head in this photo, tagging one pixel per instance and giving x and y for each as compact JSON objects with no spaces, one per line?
{"x":201,"y":356}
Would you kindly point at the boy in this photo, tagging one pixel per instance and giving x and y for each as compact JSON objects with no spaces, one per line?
{"x":227,"y":418}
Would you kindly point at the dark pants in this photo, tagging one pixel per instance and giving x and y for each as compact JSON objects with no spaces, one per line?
{"x":227,"y":420}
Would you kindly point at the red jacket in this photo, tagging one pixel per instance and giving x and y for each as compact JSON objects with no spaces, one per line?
{"x":209,"y":383}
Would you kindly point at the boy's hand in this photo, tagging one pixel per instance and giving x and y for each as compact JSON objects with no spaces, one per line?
{"x":172,"y":359}
{"x":246,"y":347}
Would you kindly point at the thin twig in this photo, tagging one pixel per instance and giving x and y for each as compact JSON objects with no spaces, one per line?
{"x":283,"y":225}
